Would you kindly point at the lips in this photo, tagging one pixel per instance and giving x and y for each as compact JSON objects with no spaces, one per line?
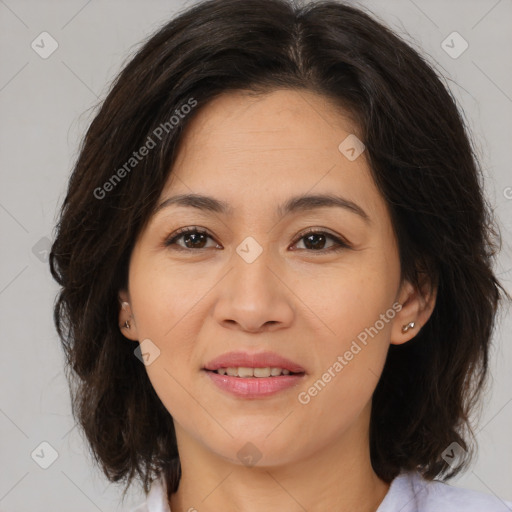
{"x":246,"y":360}
{"x":253,"y":376}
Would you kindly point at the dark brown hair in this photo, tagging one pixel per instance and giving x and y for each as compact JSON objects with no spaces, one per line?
{"x":421,"y":159}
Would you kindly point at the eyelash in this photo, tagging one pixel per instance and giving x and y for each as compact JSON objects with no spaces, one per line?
{"x":342,"y":244}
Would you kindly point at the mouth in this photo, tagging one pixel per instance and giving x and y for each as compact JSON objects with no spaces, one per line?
{"x":253,"y":376}
{"x":246,"y":372}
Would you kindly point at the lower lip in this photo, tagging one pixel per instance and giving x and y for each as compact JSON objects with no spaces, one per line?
{"x":254,"y":387}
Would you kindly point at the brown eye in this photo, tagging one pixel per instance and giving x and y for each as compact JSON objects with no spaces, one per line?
{"x":193,"y":238}
{"x":315,"y":241}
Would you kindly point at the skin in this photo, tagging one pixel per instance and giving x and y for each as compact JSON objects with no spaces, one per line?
{"x":299,"y":300}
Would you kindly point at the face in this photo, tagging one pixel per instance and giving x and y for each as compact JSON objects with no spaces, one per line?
{"x":267,"y":276}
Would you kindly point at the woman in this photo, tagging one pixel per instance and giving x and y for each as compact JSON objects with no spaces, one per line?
{"x":276,"y":269}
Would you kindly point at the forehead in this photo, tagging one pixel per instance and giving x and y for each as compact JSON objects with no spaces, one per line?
{"x":241,"y":149}
{"x":284,"y":119}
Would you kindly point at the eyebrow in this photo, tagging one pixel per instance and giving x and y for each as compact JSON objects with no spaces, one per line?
{"x":292,"y":205}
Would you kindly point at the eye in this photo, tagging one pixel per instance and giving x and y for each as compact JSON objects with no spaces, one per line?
{"x":315,"y":239}
{"x":193,"y":237}
{"x":197,"y":238}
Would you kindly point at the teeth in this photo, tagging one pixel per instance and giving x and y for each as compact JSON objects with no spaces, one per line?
{"x":244,"y":372}
{"x":262,"y":372}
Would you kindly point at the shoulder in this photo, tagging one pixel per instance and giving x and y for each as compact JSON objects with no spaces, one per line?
{"x":156,"y":500}
{"x":410,"y":492}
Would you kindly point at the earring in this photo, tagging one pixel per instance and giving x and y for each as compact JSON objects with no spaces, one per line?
{"x":410,"y":325}
{"x":125,"y":305}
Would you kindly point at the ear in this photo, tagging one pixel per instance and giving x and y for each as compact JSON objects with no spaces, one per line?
{"x":417,"y":306}
{"x":126,"y":315}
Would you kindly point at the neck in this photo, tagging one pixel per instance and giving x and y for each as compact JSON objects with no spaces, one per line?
{"x":338,"y":477}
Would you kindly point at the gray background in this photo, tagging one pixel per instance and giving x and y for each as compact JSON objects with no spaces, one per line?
{"x":46,"y":106}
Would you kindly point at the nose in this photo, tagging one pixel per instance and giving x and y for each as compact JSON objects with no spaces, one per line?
{"x":254,"y":297}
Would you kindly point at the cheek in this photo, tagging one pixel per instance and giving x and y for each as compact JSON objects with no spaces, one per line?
{"x":349,"y":299}
{"x":165,"y":298}
{"x":166,"y":309}
{"x":335,"y":396}
{"x":357,"y":313}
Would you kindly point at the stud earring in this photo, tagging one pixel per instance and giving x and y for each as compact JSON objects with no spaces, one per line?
{"x":127,"y":324}
{"x":410,"y":325}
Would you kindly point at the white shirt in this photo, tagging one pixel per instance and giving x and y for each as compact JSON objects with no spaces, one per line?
{"x":408,"y":492}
